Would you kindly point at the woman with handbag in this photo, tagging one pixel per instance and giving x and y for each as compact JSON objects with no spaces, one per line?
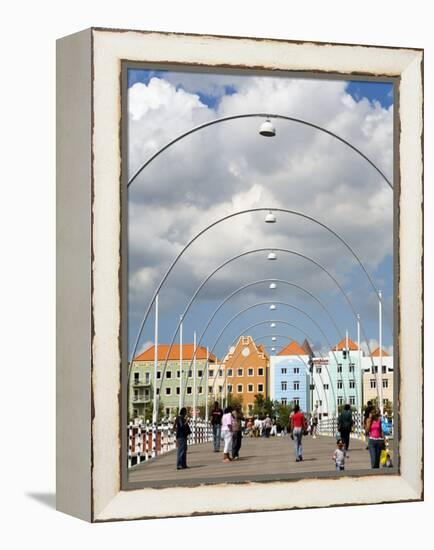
{"x":182,"y":431}
{"x":376,"y":437}
{"x":227,"y":431}
{"x":298,"y":429}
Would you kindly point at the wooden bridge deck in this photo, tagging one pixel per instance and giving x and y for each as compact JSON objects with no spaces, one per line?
{"x":261,"y":459}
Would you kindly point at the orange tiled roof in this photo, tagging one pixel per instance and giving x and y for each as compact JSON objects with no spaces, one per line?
{"x":376,"y":353}
{"x":343,"y":345}
{"x":292,"y":348}
{"x":187,"y":353}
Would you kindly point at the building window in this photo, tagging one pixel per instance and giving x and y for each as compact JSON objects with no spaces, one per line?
{"x":178,"y":374}
{"x":136,"y":377}
{"x":320,"y":402}
{"x":245,"y":339}
{"x":190,"y":373}
{"x":168,"y":391}
{"x":168,"y":374}
{"x":374,"y":369}
{"x":210,"y":389}
{"x":340,"y":384}
{"x":239,"y":388}
{"x":229,"y":388}
{"x":260,"y":371}
{"x":351,"y":367}
{"x":211,"y":373}
{"x":352,"y":384}
{"x":250,"y":372}
{"x":199,"y":373}
{"x":178,"y":391}
{"x":240,"y":372}
{"x":147,"y":378}
{"x":283,"y":386}
{"x":296,"y":385}
{"x":352,"y":400}
{"x":340,"y":401}
{"x":373,"y":383}
{"x":311,"y":386}
{"x":189,"y":390}
{"x":220,"y":389}
{"x":230,"y":372}
{"x":147,"y":392}
{"x":220,"y":372}
{"x":296,"y":401}
{"x":200,"y":389}
{"x":250,"y":388}
{"x":167,"y":411}
{"x":384,"y":369}
{"x":284,"y":401}
{"x":135,"y":413}
{"x":283,"y":371}
{"x":385,"y":384}
{"x":326,"y":386}
{"x":318,"y":370}
{"x":158,"y":374}
{"x":339,"y":367}
{"x":260,"y":387}
{"x":158,"y":391}
{"x":296,"y":370}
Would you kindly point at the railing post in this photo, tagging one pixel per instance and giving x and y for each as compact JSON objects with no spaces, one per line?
{"x":146,"y":446}
{"x":139,"y":443}
{"x":130,"y":437}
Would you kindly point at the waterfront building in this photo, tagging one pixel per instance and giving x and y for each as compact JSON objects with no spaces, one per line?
{"x":371,"y":378}
{"x":289,"y":376}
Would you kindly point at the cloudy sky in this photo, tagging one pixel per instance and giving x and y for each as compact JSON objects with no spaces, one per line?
{"x":229,"y":167}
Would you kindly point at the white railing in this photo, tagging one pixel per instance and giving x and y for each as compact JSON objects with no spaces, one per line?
{"x":329,"y":426}
{"x":146,"y":441}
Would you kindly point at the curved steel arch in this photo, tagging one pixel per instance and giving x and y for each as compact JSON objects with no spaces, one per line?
{"x":282,"y":322}
{"x":229,"y":216}
{"x":286,"y":250}
{"x":340,"y":335}
{"x":256,"y":115}
{"x":260,"y":304}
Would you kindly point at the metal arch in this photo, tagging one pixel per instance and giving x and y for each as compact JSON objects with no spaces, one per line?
{"x":240,"y":256}
{"x":256,"y":115}
{"x":285,"y":323}
{"x":229,"y":216}
{"x":260,"y":304}
{"x":257,"y":282}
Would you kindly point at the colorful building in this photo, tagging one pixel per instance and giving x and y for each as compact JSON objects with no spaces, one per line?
{"x":322,"y":394}
{"x":247,"y":372}
{"x":142,"y":379}
{"x":371,"y":378}
{"x":289,"y":376}
{"x":345,"y":367}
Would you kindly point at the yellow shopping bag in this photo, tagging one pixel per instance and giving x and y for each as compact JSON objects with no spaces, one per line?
{"x":383,"y":457}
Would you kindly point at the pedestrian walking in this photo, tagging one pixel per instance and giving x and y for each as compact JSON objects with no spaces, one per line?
{"x":182,"y":431}
{"x":298,"y":427}
{"x":216,"y":423}
{"x":368,"y":409}
{"x":227,"y":429}
{"x":345,"y":425}
{"x":314,"y":420}
{"x":267,"y":426}
{"x":376,"y":438}
{"x":339,"y":456}
{"x":237,"y":415}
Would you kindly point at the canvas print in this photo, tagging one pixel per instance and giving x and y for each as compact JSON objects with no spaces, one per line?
{"x":260,"y":276}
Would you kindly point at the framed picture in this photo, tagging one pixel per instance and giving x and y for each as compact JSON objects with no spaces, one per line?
{"x":239,"y":274}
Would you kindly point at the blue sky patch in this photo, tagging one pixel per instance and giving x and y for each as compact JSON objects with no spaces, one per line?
{"x":373,"y":91}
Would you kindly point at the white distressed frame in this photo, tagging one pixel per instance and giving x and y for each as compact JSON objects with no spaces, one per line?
{"x":96,"y":495}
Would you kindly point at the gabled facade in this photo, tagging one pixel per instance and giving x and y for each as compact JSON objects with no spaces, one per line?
{"x":345,"y":366}
{"x":371,"y":378}
{"x":247,"y":372}
{"x":142,"y":378}
{"x":289,"y":376}
{"x":322,"y":395}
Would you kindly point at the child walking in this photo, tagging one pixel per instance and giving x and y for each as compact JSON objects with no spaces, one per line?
{"x":339,"y":456}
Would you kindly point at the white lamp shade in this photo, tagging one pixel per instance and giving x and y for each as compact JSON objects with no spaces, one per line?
{"x":272,"y":285}
{"x":272,"y":306}
{"x":271,"y":256}
{"x":267,"y":129}
{"x":273,"y":349}
{"x":273,"y":338}
{"x":273,"y":325}
{"x":270,"y":218}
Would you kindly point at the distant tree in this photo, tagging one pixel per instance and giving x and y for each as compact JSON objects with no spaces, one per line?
{"x":263,"y":406}
{"x":341,"y":408}
{"x":234,"y":400}
{"x":282,"y":413}
{"x":387,"y":405}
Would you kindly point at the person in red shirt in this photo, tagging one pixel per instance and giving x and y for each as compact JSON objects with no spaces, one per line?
{"x":298,"y":426}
